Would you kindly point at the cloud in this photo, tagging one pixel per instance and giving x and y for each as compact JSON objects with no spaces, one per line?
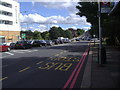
{"x":59,"y":4}
{"x":41,"y":28}
{"x":86,"y":28}
{"x":36,"y":18}
{"x":54,"y":26}
{"x":75,"y":28}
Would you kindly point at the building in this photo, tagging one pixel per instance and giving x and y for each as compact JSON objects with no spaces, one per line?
{"x":9,"y":21}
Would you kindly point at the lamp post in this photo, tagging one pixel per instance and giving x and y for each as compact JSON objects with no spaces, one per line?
{"x":100,"y":32}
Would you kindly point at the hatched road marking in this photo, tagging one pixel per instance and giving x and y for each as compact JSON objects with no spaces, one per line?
{"x":24,"y":69}
{"x":3,"y":78}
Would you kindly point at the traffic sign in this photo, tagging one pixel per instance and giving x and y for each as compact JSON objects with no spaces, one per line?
{"x":24,"y":35}
{"x":105,"y":7}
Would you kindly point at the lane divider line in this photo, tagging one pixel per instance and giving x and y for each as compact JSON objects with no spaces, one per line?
{"x":74,"y":71}
{"x":3,"y":78}
{"x":78,"y":71}
{"x":24,"y":69}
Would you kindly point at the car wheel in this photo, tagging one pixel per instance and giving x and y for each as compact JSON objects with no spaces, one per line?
{"x":24,"y":48}
{"x":8,"y":49}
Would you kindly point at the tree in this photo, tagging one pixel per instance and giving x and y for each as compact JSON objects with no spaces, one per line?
{"x":45,"y":35}
{"x":56,"y":32}
{"x":68,"y":34}
{"x":110,"y":25}
{"x":80,"y":32}
{"x":37,"y":35}
{"x":90,"y":10}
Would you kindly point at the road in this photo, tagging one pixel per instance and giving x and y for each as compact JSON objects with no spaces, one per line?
{"x":60,"y":66}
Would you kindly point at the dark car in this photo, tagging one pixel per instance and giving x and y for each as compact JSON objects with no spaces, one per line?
{"x":43,"y":42}
{"x":49,"y":42}
{"x":12,"y":45}
{"x":35,"y":43}
{"x":22,"y":44}
{"x":77,"y":39}
{"x":56,"y":41}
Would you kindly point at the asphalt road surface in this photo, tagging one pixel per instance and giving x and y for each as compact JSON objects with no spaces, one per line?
{"x":60,"y":66}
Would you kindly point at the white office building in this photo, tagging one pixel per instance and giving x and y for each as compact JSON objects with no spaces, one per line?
{"x":9,"y":21}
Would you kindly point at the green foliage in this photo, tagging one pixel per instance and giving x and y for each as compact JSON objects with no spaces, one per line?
{"x":45,"y":35}
{"x":53,"y":33}
{"x":68,"y":34}
{"x":37,"y":35}
{"x":110,"y":25}
{"x":56,"y":32}
{"x":90,"y":10}
{"x":80,"y":32}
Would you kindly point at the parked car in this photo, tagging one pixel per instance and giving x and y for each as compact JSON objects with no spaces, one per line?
{"x":66,"y":40}
{"x":12,"y":45}
{"x":56,"y":41}
{"x":77,"y":39}
{"x":49,"y":42}
{"x":22,"y":44}
{"x":4,"y":47}
{"x":43,"y":42}
{"x":34,"y":43}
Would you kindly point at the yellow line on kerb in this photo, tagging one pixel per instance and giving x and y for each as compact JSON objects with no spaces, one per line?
{"x":3,"y":78}
{"x":24,"y":69}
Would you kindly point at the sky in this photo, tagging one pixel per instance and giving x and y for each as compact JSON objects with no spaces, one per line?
{"x":43,"y":15}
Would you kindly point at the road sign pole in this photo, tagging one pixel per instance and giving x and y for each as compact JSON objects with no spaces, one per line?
{"x":100,"y":32}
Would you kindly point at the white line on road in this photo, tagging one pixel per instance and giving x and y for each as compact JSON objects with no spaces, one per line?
{"x":9,"y":53}
{"x":18,"y":51}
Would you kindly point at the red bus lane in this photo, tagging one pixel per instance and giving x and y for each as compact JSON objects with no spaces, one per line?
{"x":73,"y":77}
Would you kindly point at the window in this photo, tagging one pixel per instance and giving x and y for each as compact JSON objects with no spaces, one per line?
{"x":6,"y":4}
{"x":6,"y":13}
{"x":6,"y":22}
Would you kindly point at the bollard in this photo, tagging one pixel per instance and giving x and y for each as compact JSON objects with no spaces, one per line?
{"x":103,"y":56}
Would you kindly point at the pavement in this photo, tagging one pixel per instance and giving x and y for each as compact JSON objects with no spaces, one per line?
{"x":104,"y":75}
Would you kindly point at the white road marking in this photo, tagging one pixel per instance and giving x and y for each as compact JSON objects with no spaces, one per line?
{"x":18,"y":51}
{"x":9,"y":53}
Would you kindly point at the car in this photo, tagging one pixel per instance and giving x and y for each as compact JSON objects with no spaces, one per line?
{"x":56,"y":41}
{"x":12,"y":45}
{"x":32,"y":43}
{"x":43,"y":43}
{"x":49,"y":42}
{"x":66,"y":40}
{"x":77,"y":39}
{"x":4,"y":47}
{"x":35,"y":43}
{"x":22,"y":44}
